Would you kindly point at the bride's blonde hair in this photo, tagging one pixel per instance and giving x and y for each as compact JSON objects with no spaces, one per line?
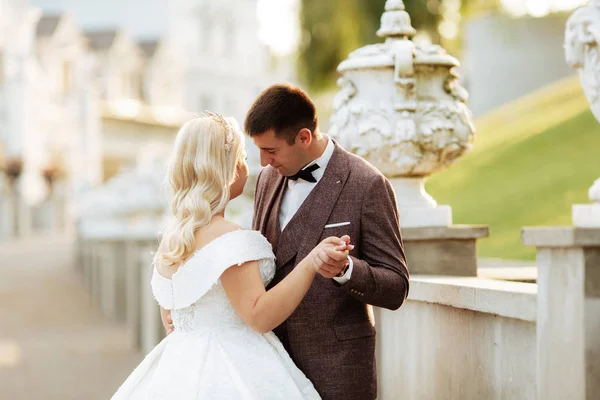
{"x":202,"y":167}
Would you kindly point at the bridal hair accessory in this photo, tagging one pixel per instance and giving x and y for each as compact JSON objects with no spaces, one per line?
{"x":229,"y":131}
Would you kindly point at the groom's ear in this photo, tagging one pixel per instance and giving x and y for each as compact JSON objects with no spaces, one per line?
{"x":304,"y":137}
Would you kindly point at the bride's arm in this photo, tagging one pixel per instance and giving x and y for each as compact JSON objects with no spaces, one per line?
{"x":264,"y":310}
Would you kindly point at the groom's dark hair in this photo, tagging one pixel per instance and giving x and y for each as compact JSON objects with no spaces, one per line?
{"x":285,"y":108}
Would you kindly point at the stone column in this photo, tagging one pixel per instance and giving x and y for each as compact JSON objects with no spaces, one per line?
{"x":568,"y":319}
{"x":137,"y":286}
{"x":450,"y":250}
{"x":108,"y":279}
{"x":9,"y":214}
{"x":151,"y":325}
{"x":96,"y":266}
{"x":133,"y":283}
{"x":24,"y":215}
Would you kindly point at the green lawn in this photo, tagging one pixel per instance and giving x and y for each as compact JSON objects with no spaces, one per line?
{"x":532,"y":160}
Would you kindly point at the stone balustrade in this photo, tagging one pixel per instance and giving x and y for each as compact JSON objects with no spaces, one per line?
{"x":459,"y":338}
{"x":20,"y":219}
{"x":455,"y":337}
{"x":116,"y":271}
{"x":568,"y":324}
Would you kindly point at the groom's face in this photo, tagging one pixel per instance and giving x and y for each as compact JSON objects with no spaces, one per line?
{"x":286,"y":158}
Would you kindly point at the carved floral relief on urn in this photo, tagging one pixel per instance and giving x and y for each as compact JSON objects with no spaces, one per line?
{"x":401,"y":107}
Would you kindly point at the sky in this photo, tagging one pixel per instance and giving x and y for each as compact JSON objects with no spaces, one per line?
{"x":147,"y":18}
{"x":539,"y":8}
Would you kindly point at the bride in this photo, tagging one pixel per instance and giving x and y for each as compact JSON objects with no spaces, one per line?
{"x":211,"y":275}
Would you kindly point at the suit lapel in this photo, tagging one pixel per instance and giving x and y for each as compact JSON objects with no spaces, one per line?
{"x":269,"y":213}
{"x":304,"y":230}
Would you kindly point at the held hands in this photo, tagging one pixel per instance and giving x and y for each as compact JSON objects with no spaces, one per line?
{"x":330,"y":257}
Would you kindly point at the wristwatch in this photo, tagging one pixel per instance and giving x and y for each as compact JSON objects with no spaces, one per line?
{"x":343,"y":272}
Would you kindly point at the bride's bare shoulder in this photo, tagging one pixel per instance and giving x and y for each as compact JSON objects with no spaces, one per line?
{"x":218,"y":227}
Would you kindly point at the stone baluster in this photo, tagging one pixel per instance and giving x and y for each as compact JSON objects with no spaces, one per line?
{"x":568,"y":317}
{"x":151,"y":327}
{"x":135,"y":260}
{"x":568,"y":258}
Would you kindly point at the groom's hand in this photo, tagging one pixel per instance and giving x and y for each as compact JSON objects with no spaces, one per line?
{"x":334,"y":259}
{"x":170,"y":327}
{"x":167,"y":321}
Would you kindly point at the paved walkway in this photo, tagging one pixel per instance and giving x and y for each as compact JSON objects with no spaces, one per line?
{"x":54,"y":344}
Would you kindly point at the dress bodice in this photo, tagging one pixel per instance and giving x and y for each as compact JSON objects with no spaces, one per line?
{"x":195,"y":295}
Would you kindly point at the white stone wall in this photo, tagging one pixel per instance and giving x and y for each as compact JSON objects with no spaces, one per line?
{"x":459,"y":338}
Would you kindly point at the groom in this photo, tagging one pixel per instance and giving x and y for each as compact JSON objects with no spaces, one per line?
{"x":311,"y":189}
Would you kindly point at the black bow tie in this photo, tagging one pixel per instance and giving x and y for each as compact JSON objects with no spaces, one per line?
{"x":306,"y":174}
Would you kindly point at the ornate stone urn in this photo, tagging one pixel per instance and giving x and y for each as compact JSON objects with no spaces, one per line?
{"x":582,"y":52}
{"x":400,"y":106}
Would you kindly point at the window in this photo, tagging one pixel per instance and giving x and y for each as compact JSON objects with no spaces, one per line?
{"x":125,"y":85}
{"x":230,"y":39}
{"x":229,"y":108}
{"x":1,"y":67}
{"x":206,"y":103}
{"x":141,"y":87}
{"x":206,"y":35}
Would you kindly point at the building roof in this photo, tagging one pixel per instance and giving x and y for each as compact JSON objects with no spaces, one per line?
{"x":101,"y":40}
{"x":148,"y":47}
{"x":47,"y":25}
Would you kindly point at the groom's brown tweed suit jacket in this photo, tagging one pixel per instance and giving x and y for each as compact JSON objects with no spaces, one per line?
{"x":331,"y":335}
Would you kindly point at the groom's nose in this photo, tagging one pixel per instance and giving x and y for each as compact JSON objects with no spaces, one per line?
{"x":264,"y":161}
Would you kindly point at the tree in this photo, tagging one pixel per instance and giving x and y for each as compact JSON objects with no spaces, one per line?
{"x":331,"y":29}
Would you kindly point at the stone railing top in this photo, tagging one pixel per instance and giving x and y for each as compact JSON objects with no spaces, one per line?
{"x":506,"y":299}
{"x":449,"y":232}
{"x":128,"y":193}
{"x":560,"y":236}
{"x":121,"y":236}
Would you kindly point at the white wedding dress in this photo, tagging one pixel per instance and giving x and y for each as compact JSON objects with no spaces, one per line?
{"x":213,"y":354}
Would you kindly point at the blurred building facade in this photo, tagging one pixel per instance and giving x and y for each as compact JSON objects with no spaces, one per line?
{"x":79,"y":107}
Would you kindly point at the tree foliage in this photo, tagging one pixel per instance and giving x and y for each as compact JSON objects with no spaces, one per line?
{"x":331,"y":29}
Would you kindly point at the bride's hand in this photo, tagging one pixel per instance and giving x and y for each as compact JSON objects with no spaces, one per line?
{"x":330,"y":257}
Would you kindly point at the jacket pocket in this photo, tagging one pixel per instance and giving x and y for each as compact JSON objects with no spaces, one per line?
{"x":354,"y":331}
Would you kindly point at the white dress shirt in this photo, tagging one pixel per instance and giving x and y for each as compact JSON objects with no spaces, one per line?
{"x":297,"y":191}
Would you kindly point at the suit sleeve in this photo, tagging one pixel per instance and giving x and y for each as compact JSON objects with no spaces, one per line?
{"x":380,"y":276}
